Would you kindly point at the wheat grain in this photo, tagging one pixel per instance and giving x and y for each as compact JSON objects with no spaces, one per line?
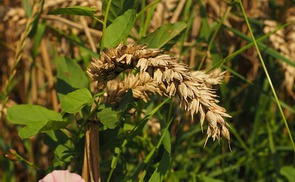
{"x":161,"y":74}
{"x":290,"y":38}
{"x":283,"y":40}
{"x":141,"y":84}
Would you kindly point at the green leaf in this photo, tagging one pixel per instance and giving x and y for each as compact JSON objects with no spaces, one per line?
{"x":209,"y":179}
{"x":70,"y":76}
{"x":61,"y":145}
{"x":28,"y":7}
{"x":36,"y":118}
{"x":163,"y":168}
{"x":38,"y":37}
{"x":75,"y":10}
{"x":108,"y":116}
{"x":272,"y":52}
{"x":149,"y":158}
{"x":119,"y":29}
{"x":74,"y":101}
{"x":288,"y":172}
{"x":167,"y":142}
{"x":205,"y":28}
{"x":163,"y":35}
{"x":117,"y":8}
{"x":146,"y":118}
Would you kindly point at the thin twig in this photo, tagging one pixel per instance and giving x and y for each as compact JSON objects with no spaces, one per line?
{"x":87,"y":32}
{"x":178,"y":11}
{"x":49,"y":75}
{"x":72,"y":24}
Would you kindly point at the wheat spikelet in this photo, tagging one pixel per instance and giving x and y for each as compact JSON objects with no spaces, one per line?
{"x":18,"y":16}
{"x":36,"y":11}
{"x":283,"y":40}
{"x":141,"y":84}
{"x":290,"y":38}
{"x":49,"y":4}
{"x":161,"y":74}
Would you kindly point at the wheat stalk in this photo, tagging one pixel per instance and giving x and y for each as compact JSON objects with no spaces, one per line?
{"x":160,"y":73}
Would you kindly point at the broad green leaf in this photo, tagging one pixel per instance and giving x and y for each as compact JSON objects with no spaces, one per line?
{"x":55,"y":125}
{"x":288,"y":172}
{"x":35,"y":118}
{"x":74,"y":101}
{"x":117,"y":8}
{"x":119,"y":29}
{"x":108,"y":116}
{"x":163,"y":35}
{"x":75,"y":10}
{"x":70,"y":76}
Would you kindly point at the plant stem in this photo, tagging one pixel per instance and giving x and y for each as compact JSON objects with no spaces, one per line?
{"x":267,"y":75}
{"x":104,"y":26}
{"x":147,"y":7}
{"x":21,"y":159}
{"x":214,"y":36}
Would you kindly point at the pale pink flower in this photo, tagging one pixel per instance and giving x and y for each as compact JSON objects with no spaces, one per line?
{"x":62,"y":176}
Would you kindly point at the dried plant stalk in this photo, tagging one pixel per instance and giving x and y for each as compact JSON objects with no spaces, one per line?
{"x":18,"y":15}
{"x":161,"y":74}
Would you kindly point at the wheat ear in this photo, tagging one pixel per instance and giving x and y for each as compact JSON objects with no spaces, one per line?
{"x":161,"y":74}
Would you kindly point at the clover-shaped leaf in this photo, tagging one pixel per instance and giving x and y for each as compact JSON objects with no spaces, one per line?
{"x":35,"y":118}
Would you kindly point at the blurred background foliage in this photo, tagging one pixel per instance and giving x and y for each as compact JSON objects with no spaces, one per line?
{"x":37,"y":60}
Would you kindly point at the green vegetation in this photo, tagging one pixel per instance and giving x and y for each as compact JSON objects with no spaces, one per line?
{"x":53,"y":115}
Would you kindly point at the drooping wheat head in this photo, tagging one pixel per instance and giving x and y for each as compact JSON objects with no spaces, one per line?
{"x":161,"y":74}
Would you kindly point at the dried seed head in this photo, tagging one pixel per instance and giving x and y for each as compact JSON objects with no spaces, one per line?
{"x":161,"y":74}
{"x":283,"y":40}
